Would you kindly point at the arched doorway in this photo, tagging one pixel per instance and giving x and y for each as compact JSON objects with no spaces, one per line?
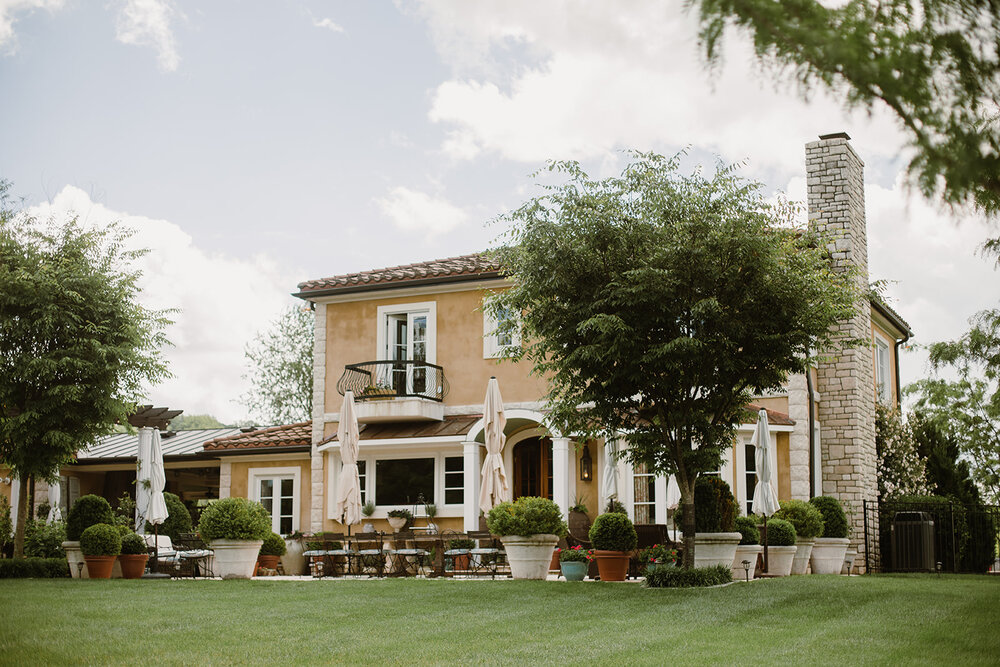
{"x":533,"y":468}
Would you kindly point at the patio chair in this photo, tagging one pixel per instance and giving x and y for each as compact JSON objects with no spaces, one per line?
{"x":326,"y":554}
{"x":457,"y":557}
{"x":487,"y":557}
{"x":193,"y":558}
{"x":368,"y":554}
{"x":406,"y":559}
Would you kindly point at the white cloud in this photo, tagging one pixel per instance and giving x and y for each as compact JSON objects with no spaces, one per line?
{"x":223,"y":302}
{"x":147,"y":23}
{"x":414,"y":211}
{"x":328,"y":24}
{"x":9,"y":13}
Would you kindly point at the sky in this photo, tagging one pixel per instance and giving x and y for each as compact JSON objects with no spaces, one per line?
{"x":254,"y":145}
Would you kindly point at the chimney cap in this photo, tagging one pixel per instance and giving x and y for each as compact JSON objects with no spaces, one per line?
{"x":835,"y":135}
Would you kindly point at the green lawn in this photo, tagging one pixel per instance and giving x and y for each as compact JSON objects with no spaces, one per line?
{"x":797,"y":620}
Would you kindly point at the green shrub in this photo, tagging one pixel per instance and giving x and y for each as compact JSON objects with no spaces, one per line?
{"x":675,"y":577}
{"x":528,"y":515}
{"x":461,"y":543}
{"x":6,"y":523}
{"x":780,"y":533}
{"x":42,"y":511}
{"x":33,"y":568}
{"x":658,"y":553}
{"x":615,"y":507}
{"x":88,"y":511}
{"x":273,"y":545}
{"x":178,"y":518}
{"x":133,"y":544}
{"x":101,"y":539}
{"x":715,"y":507}
{"x":125,"y":511}
{"x":613,"y":532}
{"x":44,"y":540}
{"x":575,"y":554}
{"x":234,"y":519}
{"x":321,"y":542}
{"x":834,"y":519}
{"x":806,"y":518}
{"x":747,"y":527}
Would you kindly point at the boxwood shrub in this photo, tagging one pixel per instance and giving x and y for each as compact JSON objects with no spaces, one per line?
{"x":806,"y":518}
{"x":133,"y":544}
{"x":101,"y":539}
{"x":747,"y":527}
{"x":613,"y":532}
{"x":88,"y":511}
{"x":528,"y":515}
{"x":273,"y":545}
{"x":675,"y":577}
{"x":834,"y":519}
{"x":780,"y":533}
{"x":715,"y":506}
{"x":33,"y":568}
{"x":234,"y":519}
{"x":178,"y":518}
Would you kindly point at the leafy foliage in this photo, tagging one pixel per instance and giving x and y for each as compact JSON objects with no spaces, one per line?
{"x":901,"y":467}
{"x":698,"y":577}
{"x":575,"y":554}
{"x":615,"y":506}
{"x":528,"y":515}
{"x":613,"y":532}
{"x":101,"y":539}
{"x":806,"y":518}
{"x":834,"y":519}
{"x":780,"y":533}
{"x":747,"y":527}
{"x":935,"y":63}
{"x":6,"y":524}
{"x":193,"y":422}
{"x":280,"y":369}
{"x":234,"y":519}
{"x":273,"y":545}
{"x":87,"y":511}
{"x":948,"y":474}
{"x":716,"y":505}
{"x":133,"y":544}
{"x":657,"y":304}
{"x":33,"y":568}
{"x":44,"y":540}
{"x":178,"y":518}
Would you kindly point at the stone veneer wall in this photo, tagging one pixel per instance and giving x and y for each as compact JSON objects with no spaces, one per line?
{"x":798,"y":441}
{"x":319,"y":404}
{"x":835,"y":181}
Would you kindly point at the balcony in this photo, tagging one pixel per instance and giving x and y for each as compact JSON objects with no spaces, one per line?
{"x":395,"y":390}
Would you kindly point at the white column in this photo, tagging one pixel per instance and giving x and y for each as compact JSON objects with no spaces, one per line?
{"x":660,"y":506}
{"x":473,"y":473}
{"x":561,"y":471}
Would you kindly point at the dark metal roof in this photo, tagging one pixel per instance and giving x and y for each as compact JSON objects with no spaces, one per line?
{"x":126,"y":445}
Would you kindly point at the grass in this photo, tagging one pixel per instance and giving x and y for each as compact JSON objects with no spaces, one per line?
{"x":798,"y":620}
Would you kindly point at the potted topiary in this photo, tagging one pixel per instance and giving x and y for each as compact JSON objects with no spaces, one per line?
{"x":749,"y":547}
{"x":431,"y":510}
{"x":831,"y":547}
{"x":399,"y":519}
{"x":367,"y":510}
{"x":780,"y":547}
{"x":808,"y":523}
{"x":235,"y":528}
{"x":529,"y":528}
{"x":458,"y":549}
{"x":133,"y":556}
{"x":100,"y":544}
{"x":87,"y":511}
{"x":715,"y":541}
{"x":656,"y":557}
{"x":271,"y":551}
{"x":613,"y":537}
{"x":574,"y":562}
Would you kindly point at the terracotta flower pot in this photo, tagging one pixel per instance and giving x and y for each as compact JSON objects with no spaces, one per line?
{"x":462,"y":562}
{"x":554,"y":563}
{"x":100,"y":566}
{"x":612,"y":565}
{"x":133,"y":565}
{"x":269,"y":562}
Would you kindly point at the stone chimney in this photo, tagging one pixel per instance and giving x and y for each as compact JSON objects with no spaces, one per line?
{"x":846,"y":385}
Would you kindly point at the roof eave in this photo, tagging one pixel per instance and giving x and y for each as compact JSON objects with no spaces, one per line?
{"x":397,"y":284}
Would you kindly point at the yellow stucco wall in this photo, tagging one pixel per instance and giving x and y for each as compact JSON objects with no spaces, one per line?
{"x":893,"y":361}
{"x":777,"y":403}
{"x":240,"y":474}
{"x":784,"y":471}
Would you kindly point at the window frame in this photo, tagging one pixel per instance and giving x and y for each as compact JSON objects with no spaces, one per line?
{"x":254,"y":477}
{"x":491,"y":346}
{"x":429,"y":308}
{"x":882,"y":361}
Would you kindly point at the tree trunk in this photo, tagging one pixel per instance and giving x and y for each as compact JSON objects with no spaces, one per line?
{"x":687,"y":500}
{"x":22,"y":518}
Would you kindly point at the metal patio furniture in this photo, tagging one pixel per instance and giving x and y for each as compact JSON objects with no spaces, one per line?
{"x":458,"y":557}
{"x":368,"y":554}
{"x":405,"y":555}
{"x":488,"y":556}
{"x":326,"y":555}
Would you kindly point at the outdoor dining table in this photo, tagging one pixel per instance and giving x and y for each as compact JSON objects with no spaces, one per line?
{"x":431,"y":542}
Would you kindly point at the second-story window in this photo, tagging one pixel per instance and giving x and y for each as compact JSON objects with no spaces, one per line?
{"x":406,"y":335}
{"x":497,"y":341}
{"x":882,"y":372}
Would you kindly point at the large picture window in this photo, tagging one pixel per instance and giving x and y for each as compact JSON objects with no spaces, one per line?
{"x":403,"y":481}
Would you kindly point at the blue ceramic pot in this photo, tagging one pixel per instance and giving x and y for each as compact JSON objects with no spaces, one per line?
{"x":573,"y":570}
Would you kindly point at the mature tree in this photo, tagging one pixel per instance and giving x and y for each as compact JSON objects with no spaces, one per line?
{"x":935,"y":63}
{"x":280,"y":367}
{"x":967,"y":408}
{"x":77,"y":349}
{"x":901,"y":464}
{"x":947,"y":474}
{"x":659,"y":304}
{"x":190,"y":422}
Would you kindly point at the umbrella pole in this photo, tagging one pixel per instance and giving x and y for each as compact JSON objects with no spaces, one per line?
{"x":765,"y":544}
{"x":156,"y":546}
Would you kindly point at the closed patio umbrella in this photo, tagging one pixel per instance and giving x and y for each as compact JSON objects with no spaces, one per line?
{"x":55,"y":497}
{"x":142,"y":478}
{"x":494,"y":489}
{"x":765,"y":500}
{"x":610,"y":481}
{"x":348,"y":505}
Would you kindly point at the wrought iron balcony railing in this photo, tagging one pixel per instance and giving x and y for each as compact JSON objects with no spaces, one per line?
{"x":379,"y":380}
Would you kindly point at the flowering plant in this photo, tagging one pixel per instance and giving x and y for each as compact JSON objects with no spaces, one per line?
{"x":658,"y":553}
{"x":575,"y":554}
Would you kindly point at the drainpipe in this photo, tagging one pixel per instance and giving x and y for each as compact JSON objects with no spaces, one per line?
{"x":899,"y":390}
{"x":812,"y":430}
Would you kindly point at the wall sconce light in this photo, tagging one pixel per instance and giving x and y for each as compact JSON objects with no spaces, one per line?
{"x":586,"y":465}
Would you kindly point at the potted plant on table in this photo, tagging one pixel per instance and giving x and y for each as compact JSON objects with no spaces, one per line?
{"x":431,"y":510}
{"x":235,"y":529}
{"x":715,"y":540}
{"x":87,"y":511}
{"x":529,"y":528}
{"x":271,"y":551}
{"x":808,"y":523}
{"x":749,"y":547}
{"x":400,"y":518}
{"x":657,"y":556}
{"x":613,"y":537}
{"x":781,"y":547}
{"x":830,"y":549}
{"x":574,"y":562}
{"x":458,"y":549}
{"x":133,"y":556}
{"x":100,"y":544}
{"x":367,"y":511}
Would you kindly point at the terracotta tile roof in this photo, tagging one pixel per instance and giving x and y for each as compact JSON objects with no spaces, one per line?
{"x":449,"y":426}
{"x":284,"y":436}
{"x":774,"y":418}
{"x":452,"y":268}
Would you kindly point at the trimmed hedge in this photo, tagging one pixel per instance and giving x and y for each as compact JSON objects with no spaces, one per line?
{"x":715,"y":506}
{"x":613,"y":532}
{"x":528,"y":515}
{"x":780,"y":533}
{"x":806,"y":518}
{"x":273,"y":545}
{"x":33,"y":568}
{"x":834,"y":519}
{"x":133,"y":544}
{"x":178,"y":518}
{"x":675,"y":577}
{"x":747,"y":527}
{"x":101,"y":540}
{"x":234,"y":519}
{"x":88,"y":511}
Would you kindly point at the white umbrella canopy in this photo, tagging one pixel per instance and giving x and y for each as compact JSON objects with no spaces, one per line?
{"x":55,"y":497}
{"x":673,"y":493}
{"x":610,"y":482}
{"x":765,"y":500}
{"x":348,"y":503}
{"x":142,"y":478}
{"x":156,"y":513}
{"x":494,"y":489}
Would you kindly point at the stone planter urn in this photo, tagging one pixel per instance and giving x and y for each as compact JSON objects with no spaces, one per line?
{"x":74,"y":557}
{"x":745,"y":552}
{"x":573,"y":570}
{"x":397,"y":522}
{"x":828,"y":555}
{"x":235,"y":559}
{"x":779,"y":560}
{"x":529,"y":555}
{"x":293,"y":562}
{"x":715,"y":548}
{"x":804,"y":547}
